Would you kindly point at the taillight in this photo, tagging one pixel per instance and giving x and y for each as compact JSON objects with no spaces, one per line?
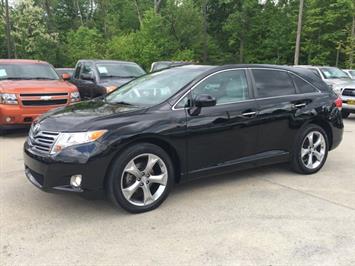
{"x":339,"y":103}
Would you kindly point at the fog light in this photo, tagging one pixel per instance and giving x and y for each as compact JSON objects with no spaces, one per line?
{"x":8,"y":119}
{"x":75,"y":180}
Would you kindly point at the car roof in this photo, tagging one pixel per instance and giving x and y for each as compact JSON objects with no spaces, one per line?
{"x":105,"y":61}
{"x":20,"y":61}
{"x":302,"y":72}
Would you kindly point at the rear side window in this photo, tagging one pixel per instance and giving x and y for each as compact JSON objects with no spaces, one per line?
{"x":303,"y":86}
{"x":273,"y":83}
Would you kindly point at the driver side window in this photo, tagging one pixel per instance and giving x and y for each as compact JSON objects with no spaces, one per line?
{"x":227,"y":87}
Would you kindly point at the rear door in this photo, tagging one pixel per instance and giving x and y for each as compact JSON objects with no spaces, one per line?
{"x":277,"y":100}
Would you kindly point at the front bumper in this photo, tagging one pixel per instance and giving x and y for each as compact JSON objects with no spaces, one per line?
{"x":346,"y":106}
{"x":13,"y":115}
{"x":50,"y":175}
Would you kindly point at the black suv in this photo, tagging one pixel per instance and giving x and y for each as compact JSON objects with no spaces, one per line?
{"x":183,"y":123}
{"x":94,"y":78}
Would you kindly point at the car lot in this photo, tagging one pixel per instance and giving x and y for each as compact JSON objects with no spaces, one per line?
{"x":267,"y":216}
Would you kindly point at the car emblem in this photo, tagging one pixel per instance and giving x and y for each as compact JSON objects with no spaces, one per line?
{"x":46,"y":98}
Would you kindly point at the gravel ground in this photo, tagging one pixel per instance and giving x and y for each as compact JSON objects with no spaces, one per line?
{"x":266,"y":216}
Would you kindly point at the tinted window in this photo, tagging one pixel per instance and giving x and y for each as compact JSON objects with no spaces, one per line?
{"x":87,"y":69}
{"x":303,"y":86}
{"x":226,"y":87}
{"x":271,"y":83}
{"x":77,"y":70}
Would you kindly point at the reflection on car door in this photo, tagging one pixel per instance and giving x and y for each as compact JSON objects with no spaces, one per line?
{"x":278,"y":103}
{"x":222,"y":134}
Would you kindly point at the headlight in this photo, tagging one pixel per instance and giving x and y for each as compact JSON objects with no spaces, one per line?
{"x":69,"y":139}
{"x":8,"y":98}
{"x":110,"y":88}
{"x":75,"y":96}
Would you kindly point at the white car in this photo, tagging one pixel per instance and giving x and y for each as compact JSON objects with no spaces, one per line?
{"x":341,"y":84}
{"x":350,"y":72}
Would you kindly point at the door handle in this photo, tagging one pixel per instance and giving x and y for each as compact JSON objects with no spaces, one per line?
{"x":299,"y":105}
{"x":249,"y":114}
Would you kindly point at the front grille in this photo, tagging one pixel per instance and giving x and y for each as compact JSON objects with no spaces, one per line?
{"x":349,"y":92}
{"x":43,"y":103}
{"x":43,"y":94}
{"x":43,"y":141}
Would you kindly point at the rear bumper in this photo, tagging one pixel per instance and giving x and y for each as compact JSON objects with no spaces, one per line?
{"x":348,"y":107}
{"x":18,"y":115}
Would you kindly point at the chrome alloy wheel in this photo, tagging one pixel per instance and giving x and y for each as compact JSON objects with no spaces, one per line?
{"x":144,"y":179}
{"x":313,"y":150}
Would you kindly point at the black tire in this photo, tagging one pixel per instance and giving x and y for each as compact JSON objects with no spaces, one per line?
{"x":296,"y":162}
{"x":2,"y":131}
{"x":345,"y":114}
{"x":115,"y":176}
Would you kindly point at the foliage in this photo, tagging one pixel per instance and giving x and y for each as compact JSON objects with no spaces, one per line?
{"x":221,"y":31}
{"x":30,"y":33}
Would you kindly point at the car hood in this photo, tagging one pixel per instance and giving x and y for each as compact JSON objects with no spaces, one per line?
{"x":114,"y":82}
{"x":87,"y":115}
{"x":35,"y":86}
{"x":340,"y":82}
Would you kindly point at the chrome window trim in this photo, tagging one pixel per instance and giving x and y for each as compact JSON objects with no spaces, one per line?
{"x":254,"y":99}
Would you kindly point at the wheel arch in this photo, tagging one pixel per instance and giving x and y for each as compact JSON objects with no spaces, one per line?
{"x":160,"y":142}
{"x":326,"y":127}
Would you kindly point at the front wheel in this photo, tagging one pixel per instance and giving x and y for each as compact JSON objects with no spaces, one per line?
{"x":310,"y":150}
{"x":141,"y":178}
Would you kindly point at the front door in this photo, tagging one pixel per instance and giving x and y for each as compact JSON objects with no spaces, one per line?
{"x":218,"y":136}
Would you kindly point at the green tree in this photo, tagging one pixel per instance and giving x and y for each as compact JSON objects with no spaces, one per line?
{"x":31,"y":36}
{"x":83,"y":43}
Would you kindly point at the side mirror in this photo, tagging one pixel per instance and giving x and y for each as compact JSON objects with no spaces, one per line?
{"x":66,"y":76}
{"x":205,"y":100}
{"x":88,"y":76}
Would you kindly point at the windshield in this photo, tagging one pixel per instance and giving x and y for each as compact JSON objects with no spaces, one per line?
{"x":120,"y":70}
{"x":155,"y":88}
{"x":27,"y":71}
{"x":333,"y":73}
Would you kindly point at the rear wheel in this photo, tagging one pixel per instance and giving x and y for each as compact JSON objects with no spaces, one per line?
{"x":141,"y":178}
{"x":311,"y":150}
{"x":345,"y":114}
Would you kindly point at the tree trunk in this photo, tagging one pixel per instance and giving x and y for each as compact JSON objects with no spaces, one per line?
{"x":8,"y":29}
{"x":205,"y":33}
{"x":157,"y":6}
{"x":138,"y":13}
{"x":299,"y":31}
{"x":352,"y":39}
{"x":47,"y":8}
{"x":241,"y":50}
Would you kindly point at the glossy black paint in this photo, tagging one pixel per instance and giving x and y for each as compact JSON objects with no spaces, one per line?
{"x":201,"y":141}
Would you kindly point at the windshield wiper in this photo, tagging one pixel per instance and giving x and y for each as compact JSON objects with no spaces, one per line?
{"x":122,"y":77}
{"x":42,"y":78}
{"x":121,"y":102}
{"x":12,"y":78}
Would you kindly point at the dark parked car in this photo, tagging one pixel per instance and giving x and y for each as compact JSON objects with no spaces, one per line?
{"x":183,"y":123}
{"x":94,"y":78}
{"x":66,"y":70}
{"x":160,"y":65}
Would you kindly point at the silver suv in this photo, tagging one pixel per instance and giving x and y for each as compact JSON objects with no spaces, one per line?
{"x":341,"y":84}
